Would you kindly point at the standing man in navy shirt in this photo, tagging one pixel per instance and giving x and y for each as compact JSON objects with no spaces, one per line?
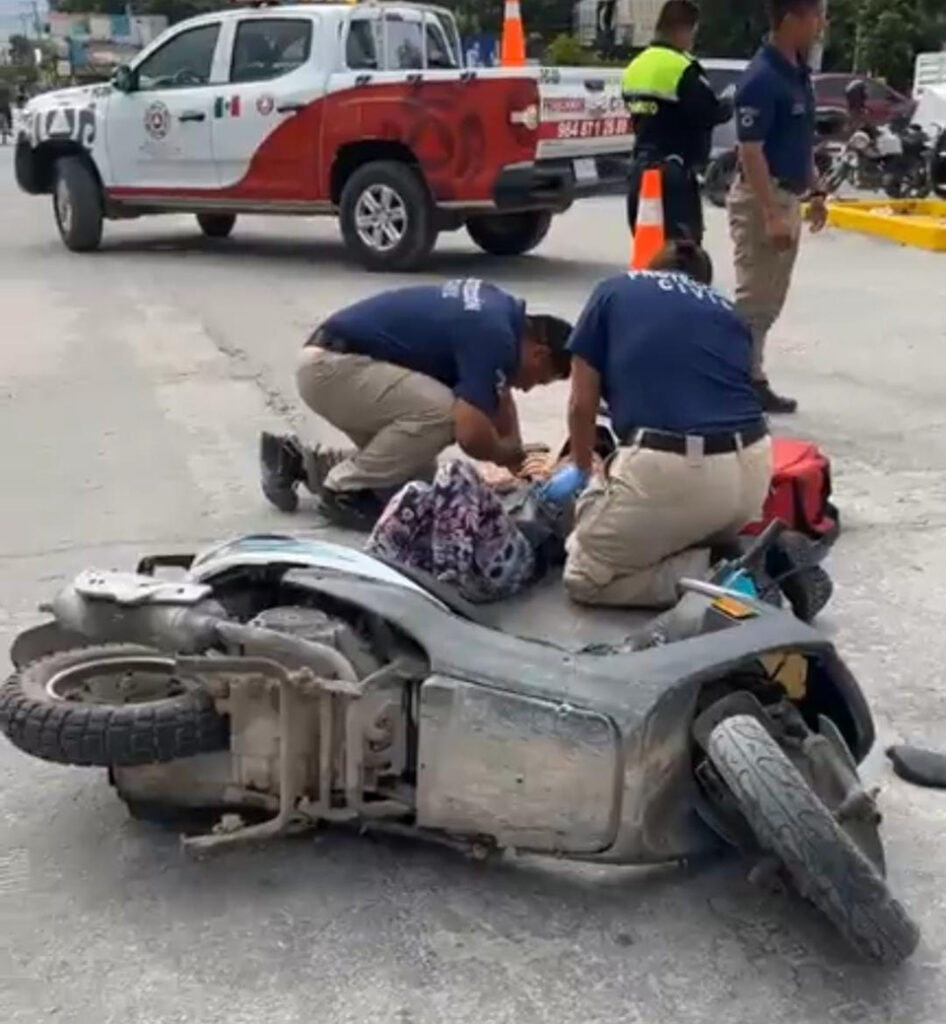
{"x":671,"y":358}
{"x":405,"y":374}
{"x":775,"y":121}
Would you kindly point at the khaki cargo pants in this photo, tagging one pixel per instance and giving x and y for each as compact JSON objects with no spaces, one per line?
{"x":763,"y":273}
{"x":649,"y":523}
{"x":399,"y":420}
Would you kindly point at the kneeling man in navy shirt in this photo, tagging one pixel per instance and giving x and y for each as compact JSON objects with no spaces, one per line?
{"x":672,"y":360}
{"x":404,"y":375}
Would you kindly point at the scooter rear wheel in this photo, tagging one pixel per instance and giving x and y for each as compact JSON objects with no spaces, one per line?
{"x":118,"y":705}
{"x":825,"y":865}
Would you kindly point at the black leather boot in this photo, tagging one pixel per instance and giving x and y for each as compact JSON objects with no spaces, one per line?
{"x":281,"y":470}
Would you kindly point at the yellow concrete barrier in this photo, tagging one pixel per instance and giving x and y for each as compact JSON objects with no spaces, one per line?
{"x":917,"y":222}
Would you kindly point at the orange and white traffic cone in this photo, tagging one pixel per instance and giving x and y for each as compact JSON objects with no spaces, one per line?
{"x":512,"y":53}
{"x":649,"y":237}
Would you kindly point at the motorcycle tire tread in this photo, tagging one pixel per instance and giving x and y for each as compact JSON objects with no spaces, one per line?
{"x":825,"y":865}
{"x":101,"y":735}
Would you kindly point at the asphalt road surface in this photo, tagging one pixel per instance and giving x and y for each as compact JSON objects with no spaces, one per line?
{"x":133,"y":384}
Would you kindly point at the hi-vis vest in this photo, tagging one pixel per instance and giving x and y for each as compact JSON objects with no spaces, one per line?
{"x":652,"y":79}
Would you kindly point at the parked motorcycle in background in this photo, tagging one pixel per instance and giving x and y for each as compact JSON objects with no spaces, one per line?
{"x":722,"y":169}
{"x":719,"y":175}
{"x":895,"y":159}
{"x":907,"y":174}
{"x":938,"y":164}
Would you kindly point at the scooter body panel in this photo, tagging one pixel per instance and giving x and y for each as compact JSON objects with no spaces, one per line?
{"x":648,"y":697}
{"x":588,"y":753}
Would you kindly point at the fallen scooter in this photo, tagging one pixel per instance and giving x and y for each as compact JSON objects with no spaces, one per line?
{"x":303,"y":682}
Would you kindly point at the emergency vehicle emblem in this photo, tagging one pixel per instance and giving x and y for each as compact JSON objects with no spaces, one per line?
{"x":157,"y":120}
{"x":265,"y":104}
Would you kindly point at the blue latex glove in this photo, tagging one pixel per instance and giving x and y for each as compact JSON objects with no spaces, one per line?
{"x":564,"y":485}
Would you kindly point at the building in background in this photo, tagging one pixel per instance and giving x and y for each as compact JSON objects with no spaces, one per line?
{"x":621,"y":22}
{"x":93,"y":45}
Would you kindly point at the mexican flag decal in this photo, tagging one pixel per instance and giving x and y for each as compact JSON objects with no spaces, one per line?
{"x":227,"y":106}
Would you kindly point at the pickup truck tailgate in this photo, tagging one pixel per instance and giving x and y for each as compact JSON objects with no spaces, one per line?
{"x":582,"y":113}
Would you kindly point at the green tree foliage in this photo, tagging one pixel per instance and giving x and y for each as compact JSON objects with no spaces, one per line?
{"x":21,"y":50}
{"x":731,"y":28}
{"x":545,"y":18}
{"x":881,"y":37}
{"x":566,"y":51}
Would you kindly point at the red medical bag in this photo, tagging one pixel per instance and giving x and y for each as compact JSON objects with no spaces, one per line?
{"x":800,"y":493}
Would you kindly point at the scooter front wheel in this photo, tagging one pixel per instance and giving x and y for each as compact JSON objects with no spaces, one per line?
{"x":117,"y":704}
{"x":825,"y":865}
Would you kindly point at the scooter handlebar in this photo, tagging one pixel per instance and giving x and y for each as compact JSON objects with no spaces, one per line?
{"x":757,"y":549}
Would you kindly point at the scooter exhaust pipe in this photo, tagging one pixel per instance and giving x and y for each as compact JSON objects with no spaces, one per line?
{"x":190,"y":629}
{"x":179,"y":629}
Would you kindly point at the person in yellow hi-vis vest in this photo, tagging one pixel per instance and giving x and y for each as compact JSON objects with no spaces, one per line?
{"x":674,"y":111}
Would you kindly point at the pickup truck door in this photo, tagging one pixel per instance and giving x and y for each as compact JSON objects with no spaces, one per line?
{"x":402,"y":82}
{"x":267,"y":119}
{"x":158,"y":137}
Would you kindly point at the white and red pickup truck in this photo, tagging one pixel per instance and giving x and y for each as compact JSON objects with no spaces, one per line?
{"x":361,"y":111}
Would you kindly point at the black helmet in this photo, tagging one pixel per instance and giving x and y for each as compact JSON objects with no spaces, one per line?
{"x":856,"y":93}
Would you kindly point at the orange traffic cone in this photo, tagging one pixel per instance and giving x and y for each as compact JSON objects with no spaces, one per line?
{"x":649,"y":237}
{"x":512,"y":54}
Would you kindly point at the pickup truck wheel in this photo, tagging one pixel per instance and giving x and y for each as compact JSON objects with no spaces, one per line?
{"x":387,"y":217}
{"x":77,"y":204}
{"x":216,"y":225}
{"x":509,"y":234}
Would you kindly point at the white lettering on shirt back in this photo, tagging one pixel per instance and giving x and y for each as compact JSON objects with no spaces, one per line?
{"x":672,"y":281}
{"x":468,"y":290}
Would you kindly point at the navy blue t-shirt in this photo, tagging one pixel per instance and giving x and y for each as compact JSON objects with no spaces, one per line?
{"x":775,"y":105}
{"x":466,"y":333}
{"x":672,"y":355}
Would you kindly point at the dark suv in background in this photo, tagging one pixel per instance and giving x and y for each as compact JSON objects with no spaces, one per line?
{"x":883,"y":103}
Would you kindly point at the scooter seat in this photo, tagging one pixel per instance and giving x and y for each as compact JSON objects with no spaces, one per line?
{"x":446,"y":593}
{"x":543,"y":613}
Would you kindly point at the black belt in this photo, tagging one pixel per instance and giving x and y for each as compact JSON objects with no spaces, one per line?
{"x":320,"y":338}
{"x":651,"y":158}
{"x":705,"y":444}
{"x":785,"y":186}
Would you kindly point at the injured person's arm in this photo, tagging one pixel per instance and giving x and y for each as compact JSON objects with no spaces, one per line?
{"x":539,"y":466}
{"x":477,"y":435}
{"x":536,"y":467}
{"x":506,"y":419}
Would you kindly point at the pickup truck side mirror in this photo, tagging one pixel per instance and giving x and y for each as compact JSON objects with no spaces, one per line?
{"x":124,"y":79}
